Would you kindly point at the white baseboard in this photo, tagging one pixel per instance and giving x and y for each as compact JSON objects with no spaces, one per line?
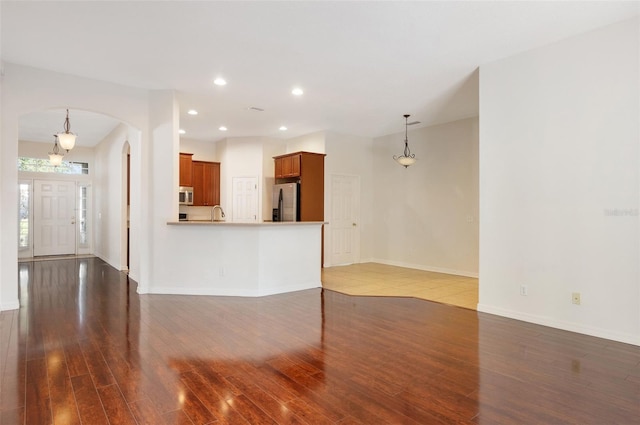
{"x":465,"y":273}
{"x":559,"y":324}
{"x":106,"y":260}
{"x":229,"y":291}
{"x":11,"y":305}
{"x":134,"y":277}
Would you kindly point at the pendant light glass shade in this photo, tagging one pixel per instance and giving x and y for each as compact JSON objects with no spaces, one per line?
{"x":407,"y":158}
{"x":55,"y":157}
{"x":405,"y":161}
{"x":67,"y":139}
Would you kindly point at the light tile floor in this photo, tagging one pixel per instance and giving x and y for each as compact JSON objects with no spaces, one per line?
{"x":376,"y":279}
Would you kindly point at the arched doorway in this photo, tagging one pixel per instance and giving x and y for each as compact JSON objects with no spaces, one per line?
{"x":106,"y":147}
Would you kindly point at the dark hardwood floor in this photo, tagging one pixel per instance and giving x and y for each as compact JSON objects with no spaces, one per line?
{"x":86,"y":349}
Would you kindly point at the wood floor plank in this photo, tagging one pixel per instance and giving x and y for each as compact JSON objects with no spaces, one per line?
{"x":276,"y":410}
{"x":12,"y":384}
{"x":12,"y":416}
{"x":177,"y":417}
{"x":89,"y":405}
{"x":250,"y":411}
{"x":310,"y":413}
{"x":308,"y":357}
{"x":8,"y":326}
{"x":195,"y":409}
{"x":63,"y":401}
{"x":98,"y":368}
{"x":38,"y":407}
{"x":145,"y":412}
{"x":128,"y":378}
{"x":115,"y":406}
{"x":75,"y":360}
{"x":214,"y":401}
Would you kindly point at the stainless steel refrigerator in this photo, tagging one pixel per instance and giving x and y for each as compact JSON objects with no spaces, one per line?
{"x":285,"y":202}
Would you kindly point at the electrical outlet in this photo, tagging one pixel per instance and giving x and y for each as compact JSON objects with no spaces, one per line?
{"x":524,"y":290}
{"x":575,"y":298}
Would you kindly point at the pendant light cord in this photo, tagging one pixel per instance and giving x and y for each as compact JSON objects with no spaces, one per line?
{"x":407,"y":152}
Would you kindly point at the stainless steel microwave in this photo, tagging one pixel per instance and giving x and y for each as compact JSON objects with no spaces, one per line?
{"x":185,"y":195}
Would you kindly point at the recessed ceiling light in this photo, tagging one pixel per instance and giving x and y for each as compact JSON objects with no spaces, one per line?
{"x":220,"y":82}
{"x":222,"y":128}
{"x":192,"y":112}
{"x":181,"y":131}
{"x":297,"y":91}
{"x":283,"y":128}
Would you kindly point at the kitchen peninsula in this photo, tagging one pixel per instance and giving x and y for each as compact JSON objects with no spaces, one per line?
{"x":246,"y":259}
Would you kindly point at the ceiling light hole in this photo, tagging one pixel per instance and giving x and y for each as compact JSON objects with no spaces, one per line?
{"x":297,"y":91}
{"x":192,"y":112}
{"x":220,"y":81}
{"x":222,"y":128}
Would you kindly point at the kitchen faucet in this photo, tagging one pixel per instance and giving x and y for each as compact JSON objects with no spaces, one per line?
{"x":213,"y":212}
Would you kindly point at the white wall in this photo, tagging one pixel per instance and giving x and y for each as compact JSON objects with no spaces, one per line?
{"x":165,"y":255}
{"x":9,"y":296}
{"x":239,"y":157}
{"x":352,"y":156}
{"x":559,"y":187}
{"x":202,"y":151}
{"x":241,"y":259}
{"x":246,"y":157}
{"x":109,"y":199}
{"x":426,"y":216}
{"x":314,"y":142}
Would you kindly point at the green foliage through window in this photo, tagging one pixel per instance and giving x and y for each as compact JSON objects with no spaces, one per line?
{"x":39,"y":165}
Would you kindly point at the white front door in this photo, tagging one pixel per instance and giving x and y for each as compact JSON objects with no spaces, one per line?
{"x":345,"y":214}
{"x":54,"y":220}
{"x":245,"y":199}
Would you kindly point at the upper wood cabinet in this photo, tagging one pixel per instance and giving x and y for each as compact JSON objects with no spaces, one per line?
{"x":287,"y":166}
{"x":307,"y":168}
{"x":186,"y":169}
{"x":206,"y":183}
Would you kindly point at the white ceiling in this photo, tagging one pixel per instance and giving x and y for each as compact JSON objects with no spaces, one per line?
{"x":90,"y":127}
{"x":362,"y":64}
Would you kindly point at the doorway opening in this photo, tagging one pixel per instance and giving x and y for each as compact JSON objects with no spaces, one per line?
{"x":54,"y":218}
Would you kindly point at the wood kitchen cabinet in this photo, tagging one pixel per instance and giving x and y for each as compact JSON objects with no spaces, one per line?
{"x":206,"y":183}
{"x":306,"y":168}
{"x":186,"y":169}
{"x":287,"y":166}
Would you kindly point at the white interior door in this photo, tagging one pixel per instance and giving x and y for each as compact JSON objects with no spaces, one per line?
{"x":54,"y":228}
{"x":245,"y":199}
{"x":345,"y":214}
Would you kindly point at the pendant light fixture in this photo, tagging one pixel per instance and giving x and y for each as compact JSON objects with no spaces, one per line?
{"x":407,"y":158}
{"x":67,"y":139}
{"x":55,"y":157}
